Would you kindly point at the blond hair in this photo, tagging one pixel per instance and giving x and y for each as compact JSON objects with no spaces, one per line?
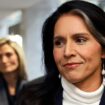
{"x":20,"y":53}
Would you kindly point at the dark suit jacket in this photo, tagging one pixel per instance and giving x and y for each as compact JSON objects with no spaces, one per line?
{"x":57,"y":97}
{"x":3,"y":92}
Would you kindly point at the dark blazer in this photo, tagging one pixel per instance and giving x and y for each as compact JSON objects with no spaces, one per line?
{"x":3,"y":92}
{"x":28,"y":97}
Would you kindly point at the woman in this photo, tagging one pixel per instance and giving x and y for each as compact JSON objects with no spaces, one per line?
{"x":12,"y":71}
{"x":74,"y":56}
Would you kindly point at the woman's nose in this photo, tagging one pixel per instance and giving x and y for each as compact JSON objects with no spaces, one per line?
{"x":69,"y":50}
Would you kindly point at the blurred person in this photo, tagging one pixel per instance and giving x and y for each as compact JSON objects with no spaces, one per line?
{"x":12,"y":71}
{"x":73,"y":40}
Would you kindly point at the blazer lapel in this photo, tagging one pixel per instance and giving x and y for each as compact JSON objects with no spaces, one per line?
{"x":59,"y":97}
{"x":3,"y":96}
{"x":102,"y":102}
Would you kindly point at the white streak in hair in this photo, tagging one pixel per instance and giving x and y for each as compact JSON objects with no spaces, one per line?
{"x":98,"y":36}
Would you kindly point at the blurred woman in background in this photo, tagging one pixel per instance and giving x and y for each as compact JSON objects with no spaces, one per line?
{"x":12,"y":71}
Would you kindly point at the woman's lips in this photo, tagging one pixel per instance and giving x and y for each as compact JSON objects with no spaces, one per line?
{"x":72,"y":65}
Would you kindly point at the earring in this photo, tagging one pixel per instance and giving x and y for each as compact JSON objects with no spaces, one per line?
{"x":59,"y":76}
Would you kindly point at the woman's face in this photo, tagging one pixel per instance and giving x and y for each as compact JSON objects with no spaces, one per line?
{"x":76,"y":52}
{"x":8,"y":59}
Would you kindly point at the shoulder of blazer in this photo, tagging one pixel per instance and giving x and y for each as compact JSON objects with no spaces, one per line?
{"x":28,"y":90}
{"x":34,"y":82}
{"x":37,"y":80}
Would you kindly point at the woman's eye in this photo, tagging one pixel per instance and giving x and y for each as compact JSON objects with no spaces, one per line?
{"x":58,"y":43}
{"x":9,"y":54}
{"x":80,"y":40}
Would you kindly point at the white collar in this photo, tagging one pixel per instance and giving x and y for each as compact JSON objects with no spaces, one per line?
{"x":72,"y":94}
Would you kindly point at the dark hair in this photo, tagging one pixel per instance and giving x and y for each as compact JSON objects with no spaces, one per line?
{"x":96,"y":17}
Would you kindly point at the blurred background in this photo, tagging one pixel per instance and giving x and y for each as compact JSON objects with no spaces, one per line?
{"x":25,"y":18}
